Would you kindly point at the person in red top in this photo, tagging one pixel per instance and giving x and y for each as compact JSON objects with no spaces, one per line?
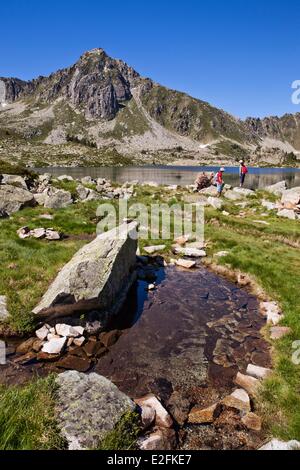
{"x":220,"y":181}
{"x":243,"y":172}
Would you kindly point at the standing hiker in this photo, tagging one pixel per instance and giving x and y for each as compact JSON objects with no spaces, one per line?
{"x":220,"y":181}
{"x":243,"y":172}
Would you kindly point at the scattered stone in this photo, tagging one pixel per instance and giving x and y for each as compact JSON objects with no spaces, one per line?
{"x":163,"y":419}
{"x":233,"y":402}
{"x":252,"y":422}
{"x":110,"y":338}
{"x":42,"y":333}
{"x":38,"y":233}
{"x":79,"y":341}
{"x":52,"y":234}
{"x":276,"y":444}
{"x":189,"y":252}
{"x":243,"y":280}
{"x":26,"y":346}
{"x":151,"y":287}
{"x":199,"y":415}
{"x":278,"y":332}
{"x":4,"y":315}
{"x":87,"y":180}
{"x":88,"y":407}
{"x":162,"y":440}
{"x":46,"y":216}
{"x":269,"y":205}
{"x":183,"y":263}
{"x":92,"y":347}
{"x":23,"y":232}
{"x":14,"y":180}
{"x":147,"y":416}
{"x":287,"y":213}
{"x":211,"y":191}
{"x":242,"y":395}
{"x":215,"y":202}
{"x":272,"y":311}
{"x":65,"y":178}
{"x":225,"y":213}
{"x":250,"y":384}
{"x":221,"y":254}
{"x":179,"y":407}
{"x":54,"y":346}
{"x":233,"y":196}
{"x":258,"y":372}
{"x":37,"y":345}
{"x":154,"y":249}
{"x":71,"y":362}
{"x":181,"y":240}
{"x":67,"y":330}
{"x":26,"y":359}
{"x":262,"y":222}
{"x":244,"y":191}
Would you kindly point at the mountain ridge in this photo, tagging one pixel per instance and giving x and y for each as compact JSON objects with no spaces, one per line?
{"x":103,"y":103}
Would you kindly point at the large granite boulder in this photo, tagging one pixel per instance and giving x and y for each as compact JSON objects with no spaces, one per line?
{"x":277,"y":188}
{"x":58,"y":200}
{"x":12,"y":199}
{"x":291,"y":197}
{"x":14,"y":180}
{"x":88,"y":407}
{"x":96,"y":278}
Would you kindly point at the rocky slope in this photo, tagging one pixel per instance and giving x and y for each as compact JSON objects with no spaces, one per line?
{"x":100,"y":110}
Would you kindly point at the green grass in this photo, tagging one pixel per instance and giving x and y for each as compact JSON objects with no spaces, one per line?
{"x":27,"y":420}
{"x":28,"y":266}
{"x":124,"y":435}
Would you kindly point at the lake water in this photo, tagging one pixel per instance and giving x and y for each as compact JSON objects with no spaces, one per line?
{"x":181,"y":175}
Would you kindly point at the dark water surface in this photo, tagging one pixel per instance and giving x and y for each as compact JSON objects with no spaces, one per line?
{"x":181,"y":175}
{"x":196,"y":329}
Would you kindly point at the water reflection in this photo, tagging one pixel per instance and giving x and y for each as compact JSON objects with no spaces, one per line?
{"x":169,"y":175}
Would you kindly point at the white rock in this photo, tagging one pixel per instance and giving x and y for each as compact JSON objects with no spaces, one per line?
{"x":272,"y":311}
{"x":154,"y":249}
{"x":54,"y":346}
{"x":3,"y":308}
{"x":183,"y":263}
{"x":190,"y":252}
{"x":225,"y":213}
{"x":151,"y":287}
{"x":287,"y":213}
{"x":152,"y":442}
{"x":291,"y":196}
{"x":244,"y":191}
{"x":163,"y":418}
{"x":258,"y":372}
{"x":233,"y":196}
{"x":215,"y":202}
{"x":38,"y":233}
{"x":276,"y":444}
{"x":80,"y":329}
{"x":221,"y":254}
{"x":67,"y":330}
{"x":242,"y":395}
{"x":52,"y":336}
{"x":65,"y":178}
{"x":42,"y":333}
{"x":79,"y":341}
{"x":277,"y":188}
{"x":269,"y":205}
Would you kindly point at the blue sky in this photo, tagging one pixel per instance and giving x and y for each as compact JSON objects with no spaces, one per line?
{"x":239,"y":55}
